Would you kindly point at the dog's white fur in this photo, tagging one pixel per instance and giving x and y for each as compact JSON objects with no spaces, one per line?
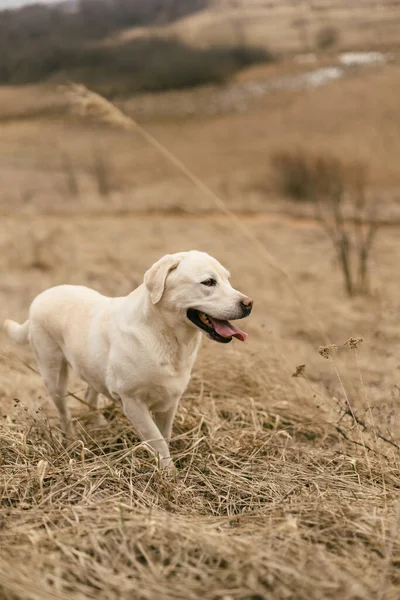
{"x":139,"y":349}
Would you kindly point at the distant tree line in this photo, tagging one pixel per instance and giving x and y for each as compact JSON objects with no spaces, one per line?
{"x":38,"y":34}
{"x":65,"y":41}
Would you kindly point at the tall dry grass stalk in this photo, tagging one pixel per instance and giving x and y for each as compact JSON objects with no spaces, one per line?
{"x":101,"y":173}
{"x":71,"y":179}
{"x":94,"y":106}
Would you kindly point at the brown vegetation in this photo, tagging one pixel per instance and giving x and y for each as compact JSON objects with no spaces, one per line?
{"x":338,"y":193}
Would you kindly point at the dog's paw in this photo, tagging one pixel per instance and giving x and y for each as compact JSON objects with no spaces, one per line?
{"x":97,"y":421}
{"x":169,"y":471}
{"x":69,"y":431}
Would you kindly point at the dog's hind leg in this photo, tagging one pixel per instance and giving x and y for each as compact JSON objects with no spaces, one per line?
{"x":164,"y":421}
{"x":91,"y":397}
{"x":54,"y":370}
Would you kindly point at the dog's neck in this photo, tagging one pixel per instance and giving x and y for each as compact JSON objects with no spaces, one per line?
{"x":178,"y":339}
{"x":175,"y":340}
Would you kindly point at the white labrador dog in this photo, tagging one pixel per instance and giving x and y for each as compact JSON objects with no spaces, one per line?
{"x":140,"y":348}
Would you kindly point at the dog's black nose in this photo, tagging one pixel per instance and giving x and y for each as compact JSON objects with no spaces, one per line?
{"x":247,"y":304}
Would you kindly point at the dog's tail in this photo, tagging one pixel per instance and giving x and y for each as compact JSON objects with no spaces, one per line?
{"x":18,"y":333}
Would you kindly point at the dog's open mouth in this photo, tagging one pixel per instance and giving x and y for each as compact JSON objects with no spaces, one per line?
{"x":220,"y":331}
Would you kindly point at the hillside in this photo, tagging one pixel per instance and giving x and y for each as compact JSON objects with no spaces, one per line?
{"x":283,"y":26}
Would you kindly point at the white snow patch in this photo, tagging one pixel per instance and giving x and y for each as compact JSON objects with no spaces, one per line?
{"x":362,"y":58}
{"x":317,"y":78}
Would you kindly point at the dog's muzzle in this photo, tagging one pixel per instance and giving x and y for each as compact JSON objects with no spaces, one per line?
{"x":246,"y":305}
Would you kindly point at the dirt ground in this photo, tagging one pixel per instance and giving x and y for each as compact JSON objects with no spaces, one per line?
{"x":281,"y":493}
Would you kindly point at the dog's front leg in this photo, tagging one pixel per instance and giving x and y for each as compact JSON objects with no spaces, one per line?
{"x":140,"y":417}
{"x":164,"y":421}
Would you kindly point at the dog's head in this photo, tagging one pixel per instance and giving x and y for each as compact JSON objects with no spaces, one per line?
{"x":196,"y":287}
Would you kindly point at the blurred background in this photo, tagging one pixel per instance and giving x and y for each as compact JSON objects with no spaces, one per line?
{"x":287,"y":110}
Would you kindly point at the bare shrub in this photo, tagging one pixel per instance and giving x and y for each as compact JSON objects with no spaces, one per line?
{"x":338,"y":192}
{"x":353,"y":237}
{"x":327,"y":38}
{"x":71,"y":179}
{"x":41,"y":254}
{"x":302,"y":24}
{"x":298,"y":175}
{"x":303,"y":177}
{"x":101,"y":173}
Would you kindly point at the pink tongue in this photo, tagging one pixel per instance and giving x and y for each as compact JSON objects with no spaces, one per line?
{"x":226,"y":329}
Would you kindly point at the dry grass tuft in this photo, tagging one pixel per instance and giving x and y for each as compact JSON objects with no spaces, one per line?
{"x":268,"y":503}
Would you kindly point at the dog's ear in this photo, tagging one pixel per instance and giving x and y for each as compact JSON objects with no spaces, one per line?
{"x":156,"y":276}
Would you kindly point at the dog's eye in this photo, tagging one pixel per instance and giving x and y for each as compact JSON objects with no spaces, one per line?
{"x":209,"y":282}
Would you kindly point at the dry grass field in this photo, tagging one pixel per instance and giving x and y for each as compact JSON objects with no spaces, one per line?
{"x":287,"y":487}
